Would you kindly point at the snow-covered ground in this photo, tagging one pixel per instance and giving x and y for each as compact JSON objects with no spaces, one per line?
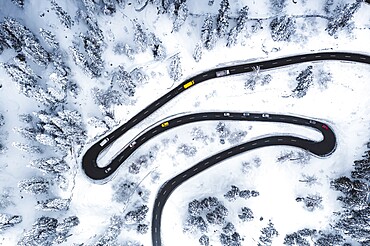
{"x":344,"y":104}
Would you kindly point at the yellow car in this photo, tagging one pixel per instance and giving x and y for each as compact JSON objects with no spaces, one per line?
{"x":165,"y":124}
{"x":187,"y":85}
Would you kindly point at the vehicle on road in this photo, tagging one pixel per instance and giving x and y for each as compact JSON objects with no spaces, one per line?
{"x":226,"y":114}
{"x":107,"y":170}
{"x":312,"y":122}
{"x":132,"y":144}
{"x":246,"y":114}
{"x":265,"y":115}
{"x":222,"y":73}
{"x":104,"y":142}
{"x":165,"y":124}
{"x":325,"y":127}
{"x":187,"y":85}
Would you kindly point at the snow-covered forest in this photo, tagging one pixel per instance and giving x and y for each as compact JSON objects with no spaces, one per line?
{"x":74,"y":70}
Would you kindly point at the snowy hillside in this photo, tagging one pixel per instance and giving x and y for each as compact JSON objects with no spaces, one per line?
{"x":73,"y":70}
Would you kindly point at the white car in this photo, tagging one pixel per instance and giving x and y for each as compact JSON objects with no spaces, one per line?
{"x":312,"y":122}
{"x":246,"y":114}
{"x":265,"y":115}
{"x":132,"y":144}
{"x":226,"y":114}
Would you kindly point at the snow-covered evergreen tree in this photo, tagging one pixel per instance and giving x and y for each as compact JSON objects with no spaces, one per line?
{"x":52,"y":165}
{"x":63,"y":16}
{"x":7,"y":221}
{"x":208,"y":34}
{"x":137,"y":216}
{"x":109,"y":236}
{"x":267,"y":235}
{"x":54,"y":204}
{"x":304,"y":80}
{"x":198,"y":52}
{"x":34,"y":185}
{"x":246,"y":214}
{"x":341,"y":17}
{"x":140,"y":37}
{"x":222,"y":22}
{"x":204,"y":240}
{"x":178,"y":10}
{"x":157,"y":47}
{"x":277,"y":6}
{"x":30,"y":45}
{"x":174,"y":68}
{"x":124,"y":80}
{"x":19,"y":3}
{"x":282,"y":28}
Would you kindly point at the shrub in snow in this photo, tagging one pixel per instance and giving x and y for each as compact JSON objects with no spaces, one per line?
{"x":237,"y":137}
{"x":323,"y":78}
{"x":123,"y":191}
{"x":282,"y":28}
{"x":309,"y":180}
{"x":246,"y":214}
{"x":7,"y":220}
{"x":187,"y":150}
{"x":198,"y":134}
{"x":311,"y":202}
{"x":267,"y":235}
{"x":34,"y":185}
{"x":222,"y":130}
{"x":232,"y":194}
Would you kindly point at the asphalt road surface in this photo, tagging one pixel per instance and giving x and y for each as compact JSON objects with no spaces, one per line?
{"x":89,"y":160}
{"x":321,"y":148}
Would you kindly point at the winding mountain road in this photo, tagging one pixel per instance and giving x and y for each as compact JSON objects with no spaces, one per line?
{"x":89,"y":160}
{"x":321,"y":148}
